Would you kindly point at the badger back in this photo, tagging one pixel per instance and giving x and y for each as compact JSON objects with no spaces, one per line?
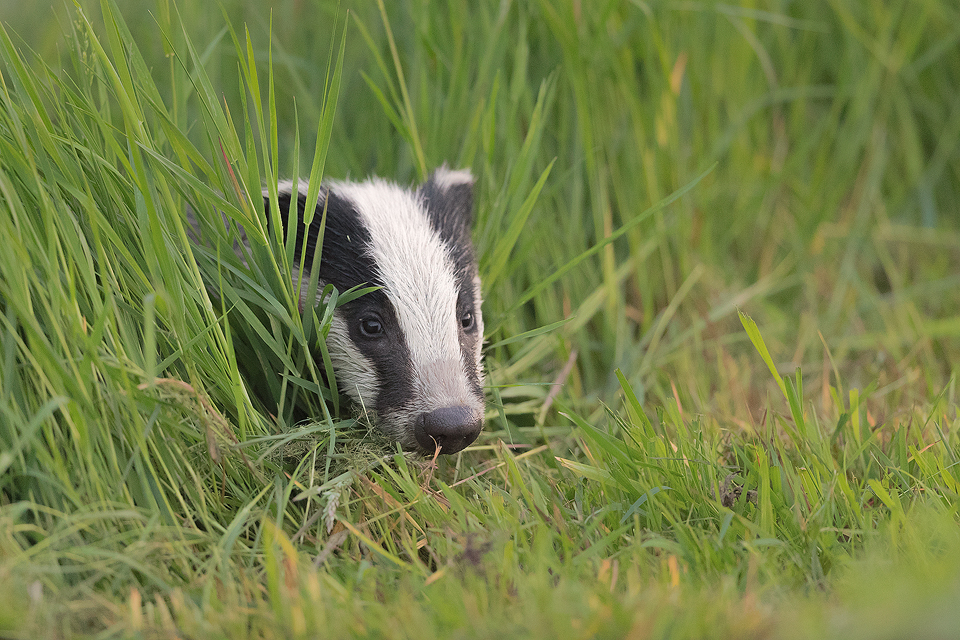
{"x":410,"y":350}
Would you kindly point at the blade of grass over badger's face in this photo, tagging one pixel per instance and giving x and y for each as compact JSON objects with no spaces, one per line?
{"x":410,"y":350}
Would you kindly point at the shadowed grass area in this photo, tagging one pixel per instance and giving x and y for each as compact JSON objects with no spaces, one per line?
{"x":721,"y":259}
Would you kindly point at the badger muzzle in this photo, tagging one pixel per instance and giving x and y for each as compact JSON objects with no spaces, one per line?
{"x":452,"y":408}
{"x":452,"y":429}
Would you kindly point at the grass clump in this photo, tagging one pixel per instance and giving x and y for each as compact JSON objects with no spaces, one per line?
{"x":655,"y":463}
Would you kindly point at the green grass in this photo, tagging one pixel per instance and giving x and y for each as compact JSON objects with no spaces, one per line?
{"x":721,"y":265}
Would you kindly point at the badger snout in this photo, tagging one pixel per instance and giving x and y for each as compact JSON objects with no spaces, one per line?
{"x":450,"y":428}
{"x":450,"y":406}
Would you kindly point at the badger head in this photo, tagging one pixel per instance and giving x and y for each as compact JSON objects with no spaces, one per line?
{"x":410,"y":350}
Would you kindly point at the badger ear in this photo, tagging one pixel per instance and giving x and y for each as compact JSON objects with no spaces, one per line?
{"x":448,"y":197}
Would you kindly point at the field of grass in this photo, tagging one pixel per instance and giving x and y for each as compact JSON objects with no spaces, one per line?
{"x":720,"y":247}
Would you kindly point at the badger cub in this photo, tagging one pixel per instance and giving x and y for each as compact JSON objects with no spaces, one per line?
{"x":410,"y":350}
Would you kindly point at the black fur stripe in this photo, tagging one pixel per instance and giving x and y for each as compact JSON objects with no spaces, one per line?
{"x":450,"y":211}
{"x":346,"y":262}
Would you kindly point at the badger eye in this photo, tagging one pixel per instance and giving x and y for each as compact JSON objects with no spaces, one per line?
{"x":466,"y":320}
{"x":371,"y":327}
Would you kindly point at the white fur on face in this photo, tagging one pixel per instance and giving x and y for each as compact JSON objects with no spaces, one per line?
{"x":478,"y":318}
{"x":356,"y":375}
{"x":418,"y":277}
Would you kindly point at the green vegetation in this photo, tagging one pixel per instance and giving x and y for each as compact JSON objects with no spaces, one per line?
{"x":655,"y":464}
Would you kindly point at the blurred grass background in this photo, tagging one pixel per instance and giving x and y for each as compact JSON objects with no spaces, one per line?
{"x":694,"y":475}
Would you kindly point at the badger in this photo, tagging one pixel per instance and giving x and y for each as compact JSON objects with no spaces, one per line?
{"x":410,"y":350}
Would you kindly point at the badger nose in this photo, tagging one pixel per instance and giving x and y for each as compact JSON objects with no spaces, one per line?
{"x":450,"y":428}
